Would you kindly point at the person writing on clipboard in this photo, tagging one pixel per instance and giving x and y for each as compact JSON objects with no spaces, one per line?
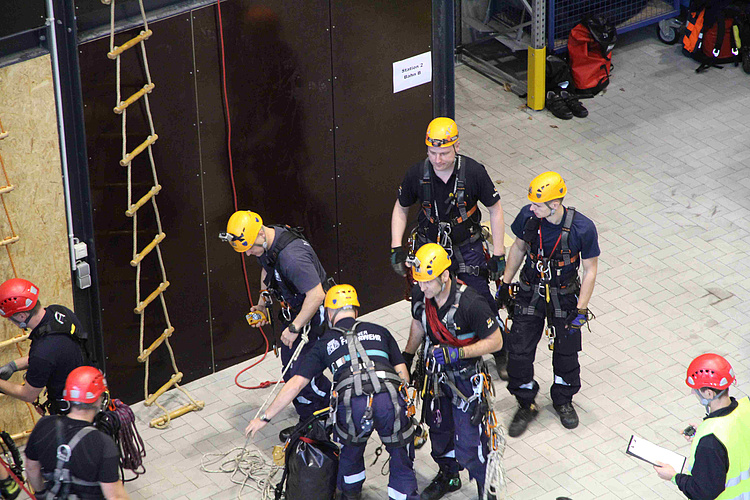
{"x":719,"y":460}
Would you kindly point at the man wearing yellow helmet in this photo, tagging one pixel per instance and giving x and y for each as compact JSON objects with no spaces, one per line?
{"x":380,"y":372}
{"x":293,"y":275}
{"x":460,"y":329}
{"x":556,"y":241}
{"x":449,"y":186}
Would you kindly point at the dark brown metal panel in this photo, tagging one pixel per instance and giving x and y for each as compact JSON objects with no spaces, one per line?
{"x":379,"y":134}
{"x":177,"y":160}
{"x":278,"y":85}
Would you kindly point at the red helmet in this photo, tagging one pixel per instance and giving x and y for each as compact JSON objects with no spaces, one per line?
{"x":17,"y":295}
{"x":710,"y":370}
{"x":84,"y":385}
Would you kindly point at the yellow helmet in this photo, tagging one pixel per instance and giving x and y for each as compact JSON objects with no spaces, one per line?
{"x":242,"y":229}
{"x":429,"y":262}
{"x":547,"y":186}
{"x":340,"y":297}
{"x":441,"y":132}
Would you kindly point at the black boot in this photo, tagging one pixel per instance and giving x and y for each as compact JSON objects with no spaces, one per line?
{"x":521,"y":420}
{"x":568,"y":415}
{"x":557,"y":106}
{"x":501,"y":362}
{"x":443,"y":483}
{"x":574,"y":105}
{"x":9,"y":489}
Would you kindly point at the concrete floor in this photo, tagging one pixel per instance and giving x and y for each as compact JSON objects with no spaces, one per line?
{"x":661,"y":166}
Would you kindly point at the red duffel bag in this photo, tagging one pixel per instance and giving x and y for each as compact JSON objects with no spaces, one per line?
{"x":591,"y":58}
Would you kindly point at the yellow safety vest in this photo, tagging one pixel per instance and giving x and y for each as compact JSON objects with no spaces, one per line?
{"x":733,"y":431}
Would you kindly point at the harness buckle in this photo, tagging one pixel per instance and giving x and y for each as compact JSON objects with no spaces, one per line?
{"x":63,"y":452}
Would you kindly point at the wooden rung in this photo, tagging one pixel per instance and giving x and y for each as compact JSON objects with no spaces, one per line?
{"x":138,"y":204}
{"x":20,"y":437}
{"x":143,"y":35}
{"x":3,"y":135}
{"x":163,"y":286}
{"x":175,"y":379}
{"x":7,"y":189}
{"x":147,"y":352}
{"x":160,"y":421}
{"x":9,"y":240}
{"x":14,"y":340}
{"x":106,"y":2}
{"x":130,"y":100}
{"x":131,"y":156}
{"x":157,"y":239}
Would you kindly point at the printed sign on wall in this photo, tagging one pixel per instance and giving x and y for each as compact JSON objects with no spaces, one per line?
{"x":412,"y":72}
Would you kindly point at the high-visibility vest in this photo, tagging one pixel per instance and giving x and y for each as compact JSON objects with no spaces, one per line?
{"x":733,"y":431}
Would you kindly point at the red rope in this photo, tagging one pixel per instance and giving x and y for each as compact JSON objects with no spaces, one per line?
{"x":15,"y":478}
{"x":440,"y":330}
{"x":234,"y":192}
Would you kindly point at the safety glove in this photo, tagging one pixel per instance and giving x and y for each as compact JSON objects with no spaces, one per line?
{"x":576,"y":319}
{"x":398,"y":260}
{"x":496,"y":266}
{"x":446,"y":355}
{"x":409,"y":358}
{"x":502,"y":297}
{"x":7,"y":370}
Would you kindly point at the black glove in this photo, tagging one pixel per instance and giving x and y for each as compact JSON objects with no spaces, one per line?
{"x":496,"y":266}
{"x":7,"y":370}
{"x":409,"y":358}
{"x":398,"y":260}
{"x":503,"y":297}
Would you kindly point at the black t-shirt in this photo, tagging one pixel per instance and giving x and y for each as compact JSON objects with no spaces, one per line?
{"x":298,"y":265}
{"x":54,"y":355}
{"x":473,"y":318}
{"x":479,"y":187}
{"x":377,"y":341}
{"x":95,"y":458}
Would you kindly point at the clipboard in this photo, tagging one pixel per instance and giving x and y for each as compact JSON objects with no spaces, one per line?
{"x":649,"y":452}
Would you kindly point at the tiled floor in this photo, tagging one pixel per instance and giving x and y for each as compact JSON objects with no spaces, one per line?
{"x":661,"y":166}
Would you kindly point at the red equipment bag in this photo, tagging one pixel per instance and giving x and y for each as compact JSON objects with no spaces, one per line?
{"x":588,"y":63}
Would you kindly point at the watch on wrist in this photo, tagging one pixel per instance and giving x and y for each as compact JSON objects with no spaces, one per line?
{"x":292,"y":328}
{"x":265,"y":418}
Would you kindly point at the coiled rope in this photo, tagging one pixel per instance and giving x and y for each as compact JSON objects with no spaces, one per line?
{"x":119,"y":423}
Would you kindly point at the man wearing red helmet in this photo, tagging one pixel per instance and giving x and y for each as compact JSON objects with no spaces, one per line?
{"x":57,"y":340}
{"x":719,"y":460}
{"x":92,"y":466}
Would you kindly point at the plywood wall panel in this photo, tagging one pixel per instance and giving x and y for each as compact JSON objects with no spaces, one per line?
{"x":37,"y":206}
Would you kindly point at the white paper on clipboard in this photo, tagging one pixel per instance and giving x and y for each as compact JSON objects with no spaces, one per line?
{"x":651,"y":453}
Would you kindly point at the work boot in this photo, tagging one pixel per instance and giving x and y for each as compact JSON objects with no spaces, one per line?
{"x":351,"y":495}
{"x":574,"y":105}
{"x":9,"y":489}
{"x":557,"y":106}
{"x":521,"y":420}
{"x":443,"y":483}
{"x":501,"y":362}
{"x":568,"y":415}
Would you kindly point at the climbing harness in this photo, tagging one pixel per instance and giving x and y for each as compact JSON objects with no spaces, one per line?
{"x":365,"y":377}
{"x":60,"y":481}
{"x":121,"y":108}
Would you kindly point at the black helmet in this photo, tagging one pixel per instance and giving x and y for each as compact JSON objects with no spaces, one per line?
{"x":603,"y":31}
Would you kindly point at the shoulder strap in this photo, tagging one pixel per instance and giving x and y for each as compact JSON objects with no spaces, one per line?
{"x":460,"y":191}
{"x":282,"y":240}
{"x":62,"y":475}
{"x":450,"y":321}
{"x":570,"y":213}
{"x":357,"y":352}
{"x":427,"y":189}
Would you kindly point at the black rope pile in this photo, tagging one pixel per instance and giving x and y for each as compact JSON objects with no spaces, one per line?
{"x":119,"y":423}
{"x":8,"y":446}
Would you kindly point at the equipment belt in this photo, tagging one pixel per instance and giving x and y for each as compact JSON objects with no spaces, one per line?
{"x":457,"y":220}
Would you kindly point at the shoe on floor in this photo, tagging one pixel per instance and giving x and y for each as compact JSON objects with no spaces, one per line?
{"x":568,"y":415}
{"x":557,"y":106}
{"x":501,"y":362}
{"x":443,"y":483}
{"x":574,"y":105}
{"x":521,"y":420}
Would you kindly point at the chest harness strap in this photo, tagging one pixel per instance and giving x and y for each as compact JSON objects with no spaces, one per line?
{"x":61,"y":479}
{"x":379,"y":379}
{"x":445,"y":330}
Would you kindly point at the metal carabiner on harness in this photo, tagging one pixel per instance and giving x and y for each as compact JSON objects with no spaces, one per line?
{"x":366,"y":423}
{"x":551,"y":335}
{"x":444,"y":238}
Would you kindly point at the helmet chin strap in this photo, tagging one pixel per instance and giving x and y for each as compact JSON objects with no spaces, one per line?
{"x":707,"y":402}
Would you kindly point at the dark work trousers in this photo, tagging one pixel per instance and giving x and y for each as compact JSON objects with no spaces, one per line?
{"x":402,"y":483}
{"x":315,"y":395}
{"x":455,"y":442}
{"x":523,"y":338}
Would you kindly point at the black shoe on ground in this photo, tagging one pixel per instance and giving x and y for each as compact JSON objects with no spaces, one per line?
{"x":521,"y":420}
{"x":501,"y":362}
{"x":574,"y":105}
{"x":443,"y":483}
{"x":285,"y":433}
{"x":557,"y":106}
{"x":568,"y":415}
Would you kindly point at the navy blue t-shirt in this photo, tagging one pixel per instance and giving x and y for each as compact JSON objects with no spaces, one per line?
{"x":583,"y":238}
{"x":331,"y":346}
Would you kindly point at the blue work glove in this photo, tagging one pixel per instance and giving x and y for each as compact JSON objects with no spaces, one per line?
{"x":7,"y":370}
{"x":496,"y":267}
{"x":445,"y":355}
{"x":576,"y":319}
